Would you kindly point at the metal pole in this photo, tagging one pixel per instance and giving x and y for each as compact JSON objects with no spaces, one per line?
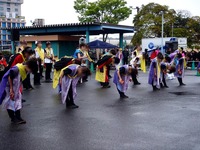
{"x":172,"y":30}
{"x":162,"y":50}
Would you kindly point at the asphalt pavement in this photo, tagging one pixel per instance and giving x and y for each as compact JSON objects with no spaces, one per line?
{"x":168,"y":119}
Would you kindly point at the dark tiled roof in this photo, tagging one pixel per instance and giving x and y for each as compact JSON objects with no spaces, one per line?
{"x":70,"y":25}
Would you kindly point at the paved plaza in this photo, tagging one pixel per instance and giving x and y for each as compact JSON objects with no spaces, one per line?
{"x":165,"y":120}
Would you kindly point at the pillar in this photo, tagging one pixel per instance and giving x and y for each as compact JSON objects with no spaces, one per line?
{"x":87,"y":36}
{"x":121,"y":39}
{"x":13,"y":46}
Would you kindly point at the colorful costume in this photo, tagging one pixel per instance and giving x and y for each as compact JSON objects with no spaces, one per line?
{"x":154,"y":74}
{"x":17,"y":74}
{"x":78,"y":51}
{"x":59,"y":65}
{"x":142,"y":60}
{"x":179,"y":68}
{"x":69,"y":82}
{"x":102,"y":70}
{"x":122,"y":88}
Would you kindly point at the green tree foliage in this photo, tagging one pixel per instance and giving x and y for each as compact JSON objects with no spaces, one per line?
{"x":176,"y":23}
{"x":106,"y":11}
{"x":148,"y":21}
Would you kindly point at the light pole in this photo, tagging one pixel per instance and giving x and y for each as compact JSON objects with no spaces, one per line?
{"x":162,"y":50}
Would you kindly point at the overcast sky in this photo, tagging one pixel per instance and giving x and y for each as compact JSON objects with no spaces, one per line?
{"x":62,"y":11}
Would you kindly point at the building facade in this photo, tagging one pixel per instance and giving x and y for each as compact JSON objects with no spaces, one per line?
{"x":10,"y":16}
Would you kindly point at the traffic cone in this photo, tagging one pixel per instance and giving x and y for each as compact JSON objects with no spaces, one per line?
{"x":193,"y":65}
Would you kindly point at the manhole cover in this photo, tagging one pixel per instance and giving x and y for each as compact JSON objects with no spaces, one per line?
{"x":182,"y":93}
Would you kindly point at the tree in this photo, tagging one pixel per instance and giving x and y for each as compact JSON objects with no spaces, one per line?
{"x":148,"y":22}
{"x":104,"y":11}
{"x":187,"y":26}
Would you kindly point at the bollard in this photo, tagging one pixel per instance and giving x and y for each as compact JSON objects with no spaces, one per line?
{"x":193,"y":65}
{"x":92,"y":67}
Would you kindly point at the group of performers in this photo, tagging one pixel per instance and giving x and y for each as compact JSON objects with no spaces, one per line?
{"x":69,"y":71}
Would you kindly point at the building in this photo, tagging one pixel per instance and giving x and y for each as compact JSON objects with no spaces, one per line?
{"x":39,"y":22}
{"x":62,"y":45}
{"x":60,"y":31}
{"x":10,"y":17}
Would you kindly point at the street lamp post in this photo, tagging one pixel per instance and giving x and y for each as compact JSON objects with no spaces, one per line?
{"x":162,"y":50}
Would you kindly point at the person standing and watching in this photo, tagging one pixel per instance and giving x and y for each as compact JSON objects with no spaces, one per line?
{"x":126,"y":56}
{"x":39,"y":55}
{"x":48,"y":60}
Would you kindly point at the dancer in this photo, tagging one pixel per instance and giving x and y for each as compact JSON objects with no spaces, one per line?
{"x":69,"y":78}
{"x":58,"y":66}
{"x":120,"y":56}
{"x":21,"y":58}
{"x":155,"y":72}
{"x":122,"y":77}
{"x":80,"y":52}
{"x":102,"y":75}
{"x":134,"y":63}
{"x":180,"y":69}
{"x":140,"y":55}
{"x":11,"y":89}
{"x":22,"y":46}
{"x":166,"y":68}
{"x":3,"y":65}
{"x":126,"y":56}
{"x":48,"y":60}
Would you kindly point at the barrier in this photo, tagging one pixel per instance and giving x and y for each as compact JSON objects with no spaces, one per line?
{"x":192,"y":65}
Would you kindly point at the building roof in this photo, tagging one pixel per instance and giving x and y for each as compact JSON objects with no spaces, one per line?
{"x":73,"y":29}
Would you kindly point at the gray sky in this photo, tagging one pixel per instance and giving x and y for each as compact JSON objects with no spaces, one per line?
{"x":62,"y":11}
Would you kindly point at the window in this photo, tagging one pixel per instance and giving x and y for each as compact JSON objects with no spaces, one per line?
{"x":4,"y":24}
{"x":9,"y":37}
{"x":8,"y":9}
{"x":1,"y":8}
{"x":4,"y":37}
{"x":10,"y":15}
{"x":13,"y":25}
{"x":16,"y":9}
{"x":8,"y":4}
{"x":1,"y":14}
{"x":1,"y":3}
{"x":9,"y":24}
{"x":16,"y":5}
{"x":3,"y":31}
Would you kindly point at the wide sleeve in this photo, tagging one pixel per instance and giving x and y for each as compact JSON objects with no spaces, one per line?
{"x":67,"y":71}
{"x":14,"y":73}
{"x":122,"y":70}
{"x":154,"y":64}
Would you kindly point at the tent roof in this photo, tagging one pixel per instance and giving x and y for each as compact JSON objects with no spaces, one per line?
{"x":100,"y":44}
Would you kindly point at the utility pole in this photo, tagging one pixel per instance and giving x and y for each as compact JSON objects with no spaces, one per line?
{"x":162,"y":50}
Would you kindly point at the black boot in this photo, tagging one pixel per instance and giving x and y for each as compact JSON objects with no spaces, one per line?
{"x":155,"y":88}
{"x":11,"y":114}
{"x":19,"y":119}
{"x":181,"y":82}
